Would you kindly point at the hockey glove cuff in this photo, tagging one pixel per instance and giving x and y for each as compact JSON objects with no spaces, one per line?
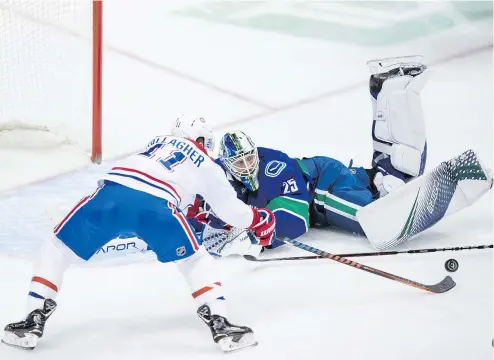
{"x":263,"y":226}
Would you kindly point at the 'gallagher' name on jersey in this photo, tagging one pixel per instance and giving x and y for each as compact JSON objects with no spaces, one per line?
{"x":184,"y":148}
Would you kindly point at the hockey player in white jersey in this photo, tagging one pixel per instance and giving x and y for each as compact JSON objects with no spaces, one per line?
{"x":145,"y":196}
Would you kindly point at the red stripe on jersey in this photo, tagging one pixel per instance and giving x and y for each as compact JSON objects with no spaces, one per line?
{"x":75,"y":208}
{"x":185,"y":225}
{"x":152,"y":178}
{"x":190,"y":234}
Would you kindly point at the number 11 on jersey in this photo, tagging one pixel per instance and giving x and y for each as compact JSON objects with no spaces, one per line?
{"x":175,"y":158}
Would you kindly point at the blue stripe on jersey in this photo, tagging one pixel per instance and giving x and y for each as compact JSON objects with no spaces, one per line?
{"x":145,"y":182}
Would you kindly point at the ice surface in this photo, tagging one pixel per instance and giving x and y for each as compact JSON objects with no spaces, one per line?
{"x":306,"y":97}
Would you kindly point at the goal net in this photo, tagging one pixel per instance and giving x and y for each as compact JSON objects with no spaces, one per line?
{"x":50,"y":74}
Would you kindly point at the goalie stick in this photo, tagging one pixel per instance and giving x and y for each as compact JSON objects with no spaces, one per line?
{"x":416,"y":251}
{"x":443,"y":286}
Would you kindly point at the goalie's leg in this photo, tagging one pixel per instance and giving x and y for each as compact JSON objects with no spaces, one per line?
{"x":339,"y":193}
{"x":398,"y":127}
{"x":415,"y":207}
{"x":204,"y":278}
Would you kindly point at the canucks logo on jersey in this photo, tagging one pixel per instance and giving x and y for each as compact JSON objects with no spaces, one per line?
{"x":274,"y":168}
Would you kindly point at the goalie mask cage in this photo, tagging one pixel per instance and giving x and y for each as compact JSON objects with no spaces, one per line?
{"x":51,"y":75}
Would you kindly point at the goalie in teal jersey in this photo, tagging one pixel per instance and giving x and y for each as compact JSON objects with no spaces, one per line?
{"x":302,"y":193}
{"x":321,"y":191}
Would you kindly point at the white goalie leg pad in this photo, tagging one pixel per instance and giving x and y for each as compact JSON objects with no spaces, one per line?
{"x":406,"y":159}
{"x":399,"y":121}
{"x":419,"y":204}
{"x":470,"y":189}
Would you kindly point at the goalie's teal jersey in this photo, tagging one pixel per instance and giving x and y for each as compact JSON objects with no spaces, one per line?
{"x":317,"y":191}
{"x":282,"y":188}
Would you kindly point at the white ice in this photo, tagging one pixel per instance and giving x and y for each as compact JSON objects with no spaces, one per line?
{"x":302,"y":96}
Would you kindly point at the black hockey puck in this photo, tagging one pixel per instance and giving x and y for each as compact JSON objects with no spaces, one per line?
{"x":451,"y":265}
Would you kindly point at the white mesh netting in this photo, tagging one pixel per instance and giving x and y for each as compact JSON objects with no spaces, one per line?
{"x":45,"y":73}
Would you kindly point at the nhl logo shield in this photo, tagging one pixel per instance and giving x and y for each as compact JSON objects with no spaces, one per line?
{"x":181,"y":251}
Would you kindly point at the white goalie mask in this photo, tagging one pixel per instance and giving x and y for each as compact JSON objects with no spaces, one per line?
{"x":194,"y":127}
{"x":238,"y":154}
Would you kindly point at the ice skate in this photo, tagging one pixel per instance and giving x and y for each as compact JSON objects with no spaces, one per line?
{"x":26,"y":333}
{"x":228,"y":336}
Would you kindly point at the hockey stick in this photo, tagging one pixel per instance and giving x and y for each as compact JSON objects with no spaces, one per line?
{"x":417,"y":251}
{"x":445,"y":285}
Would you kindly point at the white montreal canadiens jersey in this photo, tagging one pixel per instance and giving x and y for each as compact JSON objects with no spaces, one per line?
{"x":177,"y":169}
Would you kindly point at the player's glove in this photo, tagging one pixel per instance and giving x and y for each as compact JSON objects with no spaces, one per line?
{"x":263,"y":226}
{"x":203,"y":217}
{"x":207,"y":217}
{"x":195,"y":209}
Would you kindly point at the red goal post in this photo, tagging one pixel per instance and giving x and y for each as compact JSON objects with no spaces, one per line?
{"x":51,"y":74}
{"x":97,"y":150}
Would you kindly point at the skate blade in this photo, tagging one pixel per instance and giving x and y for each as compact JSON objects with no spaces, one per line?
{"x":27,"y":342}
{"x":231,"y":343}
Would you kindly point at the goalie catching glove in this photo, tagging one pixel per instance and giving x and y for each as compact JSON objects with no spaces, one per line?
{"x":263,"y":226}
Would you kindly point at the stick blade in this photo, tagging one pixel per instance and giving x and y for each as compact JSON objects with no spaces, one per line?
{"x":445,"y":285}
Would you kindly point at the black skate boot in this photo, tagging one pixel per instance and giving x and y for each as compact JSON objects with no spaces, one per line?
{"x":228,"y":336}
{"x":25,"y":334}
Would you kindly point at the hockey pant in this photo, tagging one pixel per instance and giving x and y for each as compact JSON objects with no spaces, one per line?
{"x":113,"y":210}
{"x":338,"y":194}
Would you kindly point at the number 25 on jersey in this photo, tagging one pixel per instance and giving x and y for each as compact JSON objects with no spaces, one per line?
{"x":289,"y":186}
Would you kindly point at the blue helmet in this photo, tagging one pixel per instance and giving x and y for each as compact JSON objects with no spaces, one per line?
{"x":239,"y":156}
